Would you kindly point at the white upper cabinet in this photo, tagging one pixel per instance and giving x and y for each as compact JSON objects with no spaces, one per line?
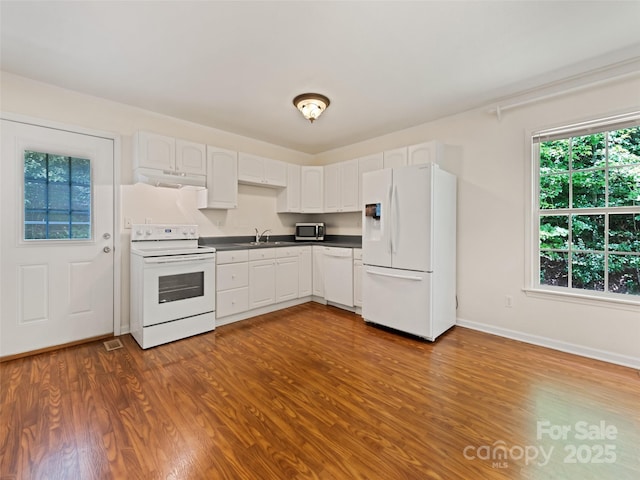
{"x":341,"y":187}
{"x":162,"y":152}
{"x":191,"y":157}
{"x":289,"y":198}
{"x":311,"y":189}
{"x":366,"y":164}
{"x":395,"y":158}
{"x":429,"y":152}
{"x":255,"y":170}
{"x":332,"y":188}
{"x":222,"y":180}
{"x":154,"y":151}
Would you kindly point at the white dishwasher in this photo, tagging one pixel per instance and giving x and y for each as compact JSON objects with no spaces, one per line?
{"x":338,"y":275}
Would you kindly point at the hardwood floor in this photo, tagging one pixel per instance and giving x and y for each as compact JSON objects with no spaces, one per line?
{"x":314,"y":392}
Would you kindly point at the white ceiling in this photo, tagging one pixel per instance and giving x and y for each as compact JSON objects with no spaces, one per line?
{"x":386,"y":66}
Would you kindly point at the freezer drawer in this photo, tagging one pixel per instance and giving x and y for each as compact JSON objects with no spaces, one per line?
{"x":400,"y":299}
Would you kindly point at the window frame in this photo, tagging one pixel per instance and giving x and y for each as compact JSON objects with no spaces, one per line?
{"x":533,"y":213}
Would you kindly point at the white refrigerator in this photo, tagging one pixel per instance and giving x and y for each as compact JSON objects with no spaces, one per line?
{"x":409,"y":249}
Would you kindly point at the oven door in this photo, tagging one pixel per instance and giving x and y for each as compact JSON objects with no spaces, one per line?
{"x":178,"y":287}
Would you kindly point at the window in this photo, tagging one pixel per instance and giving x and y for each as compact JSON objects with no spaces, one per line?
{"x":587,"y":215}
{"x":57,"y":197}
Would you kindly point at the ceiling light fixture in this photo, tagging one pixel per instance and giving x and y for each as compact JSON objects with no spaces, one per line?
{"x":311,"y":105}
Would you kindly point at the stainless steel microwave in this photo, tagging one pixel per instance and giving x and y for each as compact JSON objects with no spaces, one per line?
{"x":310,"y":231}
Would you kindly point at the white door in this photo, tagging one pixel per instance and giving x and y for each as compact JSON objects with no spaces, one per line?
{"x":411,"y":207}
{"x":56,"y":245}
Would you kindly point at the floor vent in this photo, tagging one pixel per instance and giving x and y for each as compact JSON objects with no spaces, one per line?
{"x":113,"y":344}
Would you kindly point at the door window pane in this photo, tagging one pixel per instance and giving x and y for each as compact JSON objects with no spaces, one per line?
{"x":57,"y":197}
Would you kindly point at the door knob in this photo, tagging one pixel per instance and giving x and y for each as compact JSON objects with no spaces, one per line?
{"x":106,"y":249}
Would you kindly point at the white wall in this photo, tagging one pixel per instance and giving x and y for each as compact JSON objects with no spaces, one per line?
{"x":489,"y":161}
{"x":490,"y":166}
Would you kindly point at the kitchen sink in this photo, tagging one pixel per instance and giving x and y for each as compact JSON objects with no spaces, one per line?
{"x":263,"y":244}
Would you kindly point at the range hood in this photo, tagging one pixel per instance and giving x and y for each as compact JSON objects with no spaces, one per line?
{"x":169,"y":179}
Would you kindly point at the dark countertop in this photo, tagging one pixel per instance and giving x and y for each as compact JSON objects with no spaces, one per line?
{"x":222,"y":244}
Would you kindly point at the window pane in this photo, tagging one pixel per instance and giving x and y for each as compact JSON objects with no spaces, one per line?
{"x":588,"y":189}
{"x":624,"y":186}
{"x":80,"y":198}
{"x":35,"y":195}
{"x":57,"y":197}
{"x":58,"y":169}
{"x":554,"y":156}
{"x":80,"y":171}
{"x":587,"y":271}
{"x":35,"y":166}
{"x":588,"y":151}
{"x":624,"y":146}
{"x":554,"y":191}
{"x":624,"y":274}
{"x":81,"y":225}
{"x":554,"y":269}
{"x":624,"y":232}
{"x":587,"y":232}
{"x":554,"y":232}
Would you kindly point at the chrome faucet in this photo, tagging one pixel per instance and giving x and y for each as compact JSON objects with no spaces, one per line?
{"x":260,"y":235}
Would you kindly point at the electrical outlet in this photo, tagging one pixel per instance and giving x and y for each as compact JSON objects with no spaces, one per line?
{"x":148,"y":220}
{"x":508,"y":301}
{"x":127,"y":222}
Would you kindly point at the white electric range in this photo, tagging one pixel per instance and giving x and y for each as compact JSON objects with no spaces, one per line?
{"x":172,"y":284}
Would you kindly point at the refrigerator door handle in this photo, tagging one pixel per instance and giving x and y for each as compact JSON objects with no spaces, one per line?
{"x":390,"y":218}
{"x":403,"y":277}
{"x":396,"y":214}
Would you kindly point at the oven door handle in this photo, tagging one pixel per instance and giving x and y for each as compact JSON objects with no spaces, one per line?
{"x":181,"y":258}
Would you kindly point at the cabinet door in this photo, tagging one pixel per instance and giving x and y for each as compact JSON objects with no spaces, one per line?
{"x":429,"y":152}
{"x":332,"y":188}
{"x":222,"y":179}
{"x":311,"y":190}
{"x":318,"y":271}
{"x":366,"y":164}
{"x":289,"y":197}
{"x":275,"y":173}
{"x":233,"y":301}
{"x":262,"y":287}
{"x":232,"y":275}
{"x":191,"y":157}
{"x":305,"y":272}
{"x":286,"y":279}
{"x":349,"y":186}
{"x":250,"y":168}
{"x":154,"y":151}
{"x":395,"y":158}
{"x":357,"y":283}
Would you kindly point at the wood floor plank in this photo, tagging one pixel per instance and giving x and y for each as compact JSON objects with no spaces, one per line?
{"x":312,"y":392}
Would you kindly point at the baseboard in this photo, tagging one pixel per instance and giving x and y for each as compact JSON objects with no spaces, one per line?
{"x":605,"y":356}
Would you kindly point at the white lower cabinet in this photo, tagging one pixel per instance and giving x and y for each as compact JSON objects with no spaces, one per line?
{"x":305,"y":272}
{"x":286,"y":274}
{"x":262,"y":275}
{"x":318,"y":271}
{"x":232,"y":283}
{"x":357,"y":277}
